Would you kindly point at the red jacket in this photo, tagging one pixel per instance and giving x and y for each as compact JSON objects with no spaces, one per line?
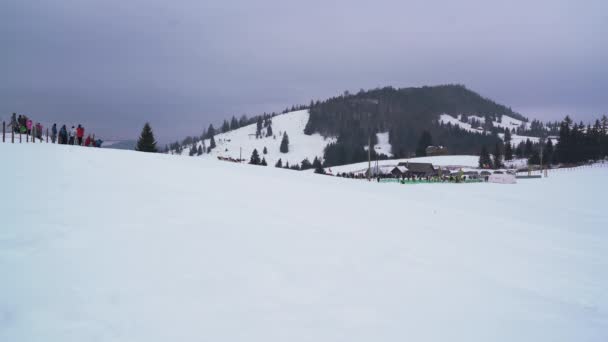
{"x":79,"y":132}
{"x":88,"y":141}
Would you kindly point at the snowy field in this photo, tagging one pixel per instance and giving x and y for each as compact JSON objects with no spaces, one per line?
{"x":110,"y":245}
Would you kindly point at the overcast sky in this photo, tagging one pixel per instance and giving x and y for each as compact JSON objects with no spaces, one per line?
{"x":114,"y":64}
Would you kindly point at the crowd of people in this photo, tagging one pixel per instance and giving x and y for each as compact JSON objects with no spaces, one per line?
{"x":74,"y":136}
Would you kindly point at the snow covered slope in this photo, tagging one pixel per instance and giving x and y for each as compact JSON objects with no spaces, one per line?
{"x":301,"y":146}
{"x":110,"y":245}
{"x":506,"y":122}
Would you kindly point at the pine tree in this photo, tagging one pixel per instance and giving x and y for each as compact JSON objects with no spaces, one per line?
{"x":306,"y":164}
{"x":258,"y":129}
{"x":284,"y":143}
{"x":199,"y":151}
{"x":234,"y":123}
{"x":269,"y":131}
{"x":255,"y":158}
{"x":534,"y":158}
{"x":508,"y":151}
{"x":317,"y":165}
{"x":263,"y":162}
{"x":210,"y":131}
{"x":497,"y":156}
{"x":212,"y":143}
{"x":507,"y":136}
{"x":192,"y":151}
{"x":528,"y":148}
{"x":484,"y":159}
{"x":279,"y":163}
{"x":265,"y":151}
{"x":146,"y":142}
{"x":425,"y":141}
{"x":225,"y":126}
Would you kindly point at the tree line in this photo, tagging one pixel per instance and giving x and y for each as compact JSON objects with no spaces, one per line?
{"x":576,"y":144}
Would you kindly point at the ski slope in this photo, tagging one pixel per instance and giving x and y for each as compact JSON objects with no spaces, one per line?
{"x":111,"y":245}
{"x":242,"y":141}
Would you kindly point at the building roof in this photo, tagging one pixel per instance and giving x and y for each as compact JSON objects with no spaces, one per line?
{"x":401,"y":169}
{"x":419,"y":167}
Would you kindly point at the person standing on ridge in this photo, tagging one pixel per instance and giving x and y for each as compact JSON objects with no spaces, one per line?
{"x":63,"y":135}
{"x":54,"y":133}
{"x":28,"y":126}
{"x":79,"y":134}
{"x":72,"y":135}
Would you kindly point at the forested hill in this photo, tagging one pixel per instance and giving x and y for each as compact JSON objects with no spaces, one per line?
{"x":404,"y":113}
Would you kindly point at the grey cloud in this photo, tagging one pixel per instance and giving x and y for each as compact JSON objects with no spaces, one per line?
{"x":181,"y":65}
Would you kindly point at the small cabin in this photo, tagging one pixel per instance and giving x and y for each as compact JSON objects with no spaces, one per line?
{"x":419,"y":169}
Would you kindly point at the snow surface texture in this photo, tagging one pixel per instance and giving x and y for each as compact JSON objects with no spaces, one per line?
{"x":300,"y":145}
{"x":110,"y":245}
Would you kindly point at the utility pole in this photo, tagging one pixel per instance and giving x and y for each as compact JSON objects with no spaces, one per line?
{"x":369,"y":158}
{"x":541,"y":155}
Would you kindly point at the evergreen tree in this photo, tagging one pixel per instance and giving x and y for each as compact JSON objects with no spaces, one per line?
{"x":425,"y":141}
{"x":225,"y":126}
{"x":497,"y":156}
{"x":508,"y":151}
{"x":279,"y":163}
{"x":534,"y":158}
{"x":212,"y":143}
{"x":258,"y":129}
{"x":284,"y":143}
{"x":146,"y":142}
{"x":485,"y":161}
{"x":317,"y":165}
{"x":255,"y":158}
{"x":507,"y":136}
{"x":519,"y":150}
{"x":210,"y":131}
{"x":265,"y":151}
{"x":269,"y":131}
{"x":528,"y":148}
{"x":306,"y":164}
{"x":192,"y":151}
{"x":564,"y":144}
{"x":234,"y":123}
{"x":263,"y":162}
{"x":199,"y":151}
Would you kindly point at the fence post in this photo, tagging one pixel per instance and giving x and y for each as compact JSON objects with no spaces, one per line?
{"x":12,"y":134}
{"x":20,"y":136}
{"x":47,"y":135}
{"x":3,"y":131}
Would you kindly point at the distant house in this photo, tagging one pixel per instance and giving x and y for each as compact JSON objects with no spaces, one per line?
{"x":399,"y":171}
{"x":419,"y":169}
{"x":436,"y":150}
